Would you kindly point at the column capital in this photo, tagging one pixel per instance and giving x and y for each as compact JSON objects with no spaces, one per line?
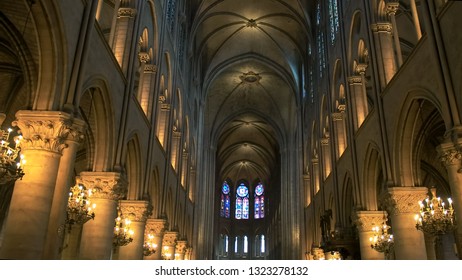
{"x":156,"y":226}
{"x":382,"y":27}
{"x":105,"y":185}
{"x":355,"y":80}
{"x":404,"y":200}
{"x":126,"y":12}
{"x":144,"y":57}
{"x":47,"y":130}
{"x":449,"y":154}
{"x":337,"y":116}
{"x":361,"y":68}
{"x":150,"y":68}
{"x":136,"y":210}
{"x":392,"y":8}
{"x":170,"y":238}
{"x":181,"y":246}
{"x":324,"y":141}
{"x":366,"y":220}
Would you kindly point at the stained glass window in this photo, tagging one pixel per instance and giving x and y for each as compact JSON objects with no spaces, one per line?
{"x":259,"y":202}
{"x":242,"y":202}
{"x":333,"y":20}
{"x":171,"y":8}
{"x":225,"y":203}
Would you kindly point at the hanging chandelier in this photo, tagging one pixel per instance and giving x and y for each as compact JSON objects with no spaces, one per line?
{"x":11,"y":161}
{"x":382,"y":241}
{"x":79,"y":207}
{"x":123,"y":234}
{"x":435,"y":217}
{"x":149,"y":247}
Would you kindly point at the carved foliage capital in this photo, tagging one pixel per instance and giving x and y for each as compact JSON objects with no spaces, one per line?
{"x":404,"y":200}
{"x":136,"y":210}
{"x":156,"y":226}
{"x":150,"y":68}
{"x":144,"y":57}
{"x":382,"y":27}
{"x":126,"y":12}
{"x":337,"y":116}
{"x":47,"y":130}
{"x":181,"y":246}
{"x":366,"y":220}
{"x":355,"y":80}
{"x":450,"y":156}
{"x":105,"y":185}
{"x":170,"y":238}
{"x":392,"y":7}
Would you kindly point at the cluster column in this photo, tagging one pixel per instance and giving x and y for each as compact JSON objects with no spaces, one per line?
{"x":157,"y":228}
{"x":168,"y":245}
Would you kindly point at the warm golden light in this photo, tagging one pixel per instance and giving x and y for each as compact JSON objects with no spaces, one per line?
{"x":435,"y":218}
{"x":11,"y":161}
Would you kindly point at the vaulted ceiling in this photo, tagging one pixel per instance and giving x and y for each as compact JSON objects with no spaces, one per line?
{"x":249,"y":55}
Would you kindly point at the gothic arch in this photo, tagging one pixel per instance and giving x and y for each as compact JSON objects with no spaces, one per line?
{"x":100,"y":121}
{"x":133,"y":169}
{"x":373,"y":178}
{"x":405,"y":167}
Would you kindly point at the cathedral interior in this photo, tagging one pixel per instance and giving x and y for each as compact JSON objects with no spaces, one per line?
{"x":230,"y":129}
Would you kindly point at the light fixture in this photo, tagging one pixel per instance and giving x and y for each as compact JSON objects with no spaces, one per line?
{"x":11,"y":160}
{"x":123,"y":234}
{"x":333,"y":256}
{"x":149,"y":247}
{"x":382,"y":241}
{"x":435,"y":217}
{"x":79,"y":207}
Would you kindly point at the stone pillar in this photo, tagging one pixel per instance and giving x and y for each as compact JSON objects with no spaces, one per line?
{"x":402,"y":204}
{"x":97,"y":234}
{"x":384,"y":49}
{"x":415,"y":19}
{"x":137,"y":212}
{"x":63,"y":183}
{"x":451,"y":157}
{"x":357,"y":100}
{"x":29,"y":213}
{"x":338,"y":119}
{"x":168,"y":245}
{"x":163,"y":121}
{"x":365,"y":221}
{"x":122,"y":35}
{"x":392,"y":8}
{"x":188,"y":254}
{"x":326,"y":156}
{"x":157,"y":228}
{"x":180,"y":249}
{"x":307,"y":186}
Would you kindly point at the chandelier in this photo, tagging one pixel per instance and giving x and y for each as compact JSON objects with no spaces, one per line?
{"x":435,"y":217}
{"x":149,"y":247}
{"x":382,"y":241}
{"x":79,"y":208}
{"x":123,"y":234}
{"x":11,"y":160}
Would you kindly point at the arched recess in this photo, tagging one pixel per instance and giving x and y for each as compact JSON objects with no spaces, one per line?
{"x":338,"y":107}
{"x":95,"y":108}
{"x":348,"y":204}
{"x":422,"y":123}
{"x":325,"y":138}
{"x":165,"y":103}
{"x":177,"y":127}
{"x":374,"y":184}
{"x":185,"y":154}
{"x":133,"y":169}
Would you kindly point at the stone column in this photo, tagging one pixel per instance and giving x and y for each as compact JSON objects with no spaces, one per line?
{"x":29,"y":213}
{"x":338,"y":119}
{"x":97,"y":234}
{"x":451,"y":157}
{"x":402,"y":204}
{"x":137,"y":212}
{"x":180,"y":249}
{"x":157,"y":228}
{"x":326,"y":156}
{"x":356,"y":90}
{"x":63,"y":183}
{"x":415,"y":19}
{"x":392,"y":8}
{"x":365,"y":221}
{"x":122,"y":35}
{"x":384,"y":49}
{"x":168,"y":244}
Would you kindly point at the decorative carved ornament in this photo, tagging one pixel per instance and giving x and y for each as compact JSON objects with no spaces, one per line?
{"x":450,"y":157}
{"x":105,"y":185}
{"x":170,"y":238}
{"x":126,"y":12}
{"x":150,"y":68}
{"x":337,"y":116}
{"x":181,"y":246}
{"x":156,"y":226}
{"x":404,"y":200}
{"x":144,"y":57}
{"x":355,"y":80}
{"x":384,"y":27}
{"x":137,"y":211}
{"x":392,"y":7}
{"x":366,"y":220}
{"x":48,"y":130}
